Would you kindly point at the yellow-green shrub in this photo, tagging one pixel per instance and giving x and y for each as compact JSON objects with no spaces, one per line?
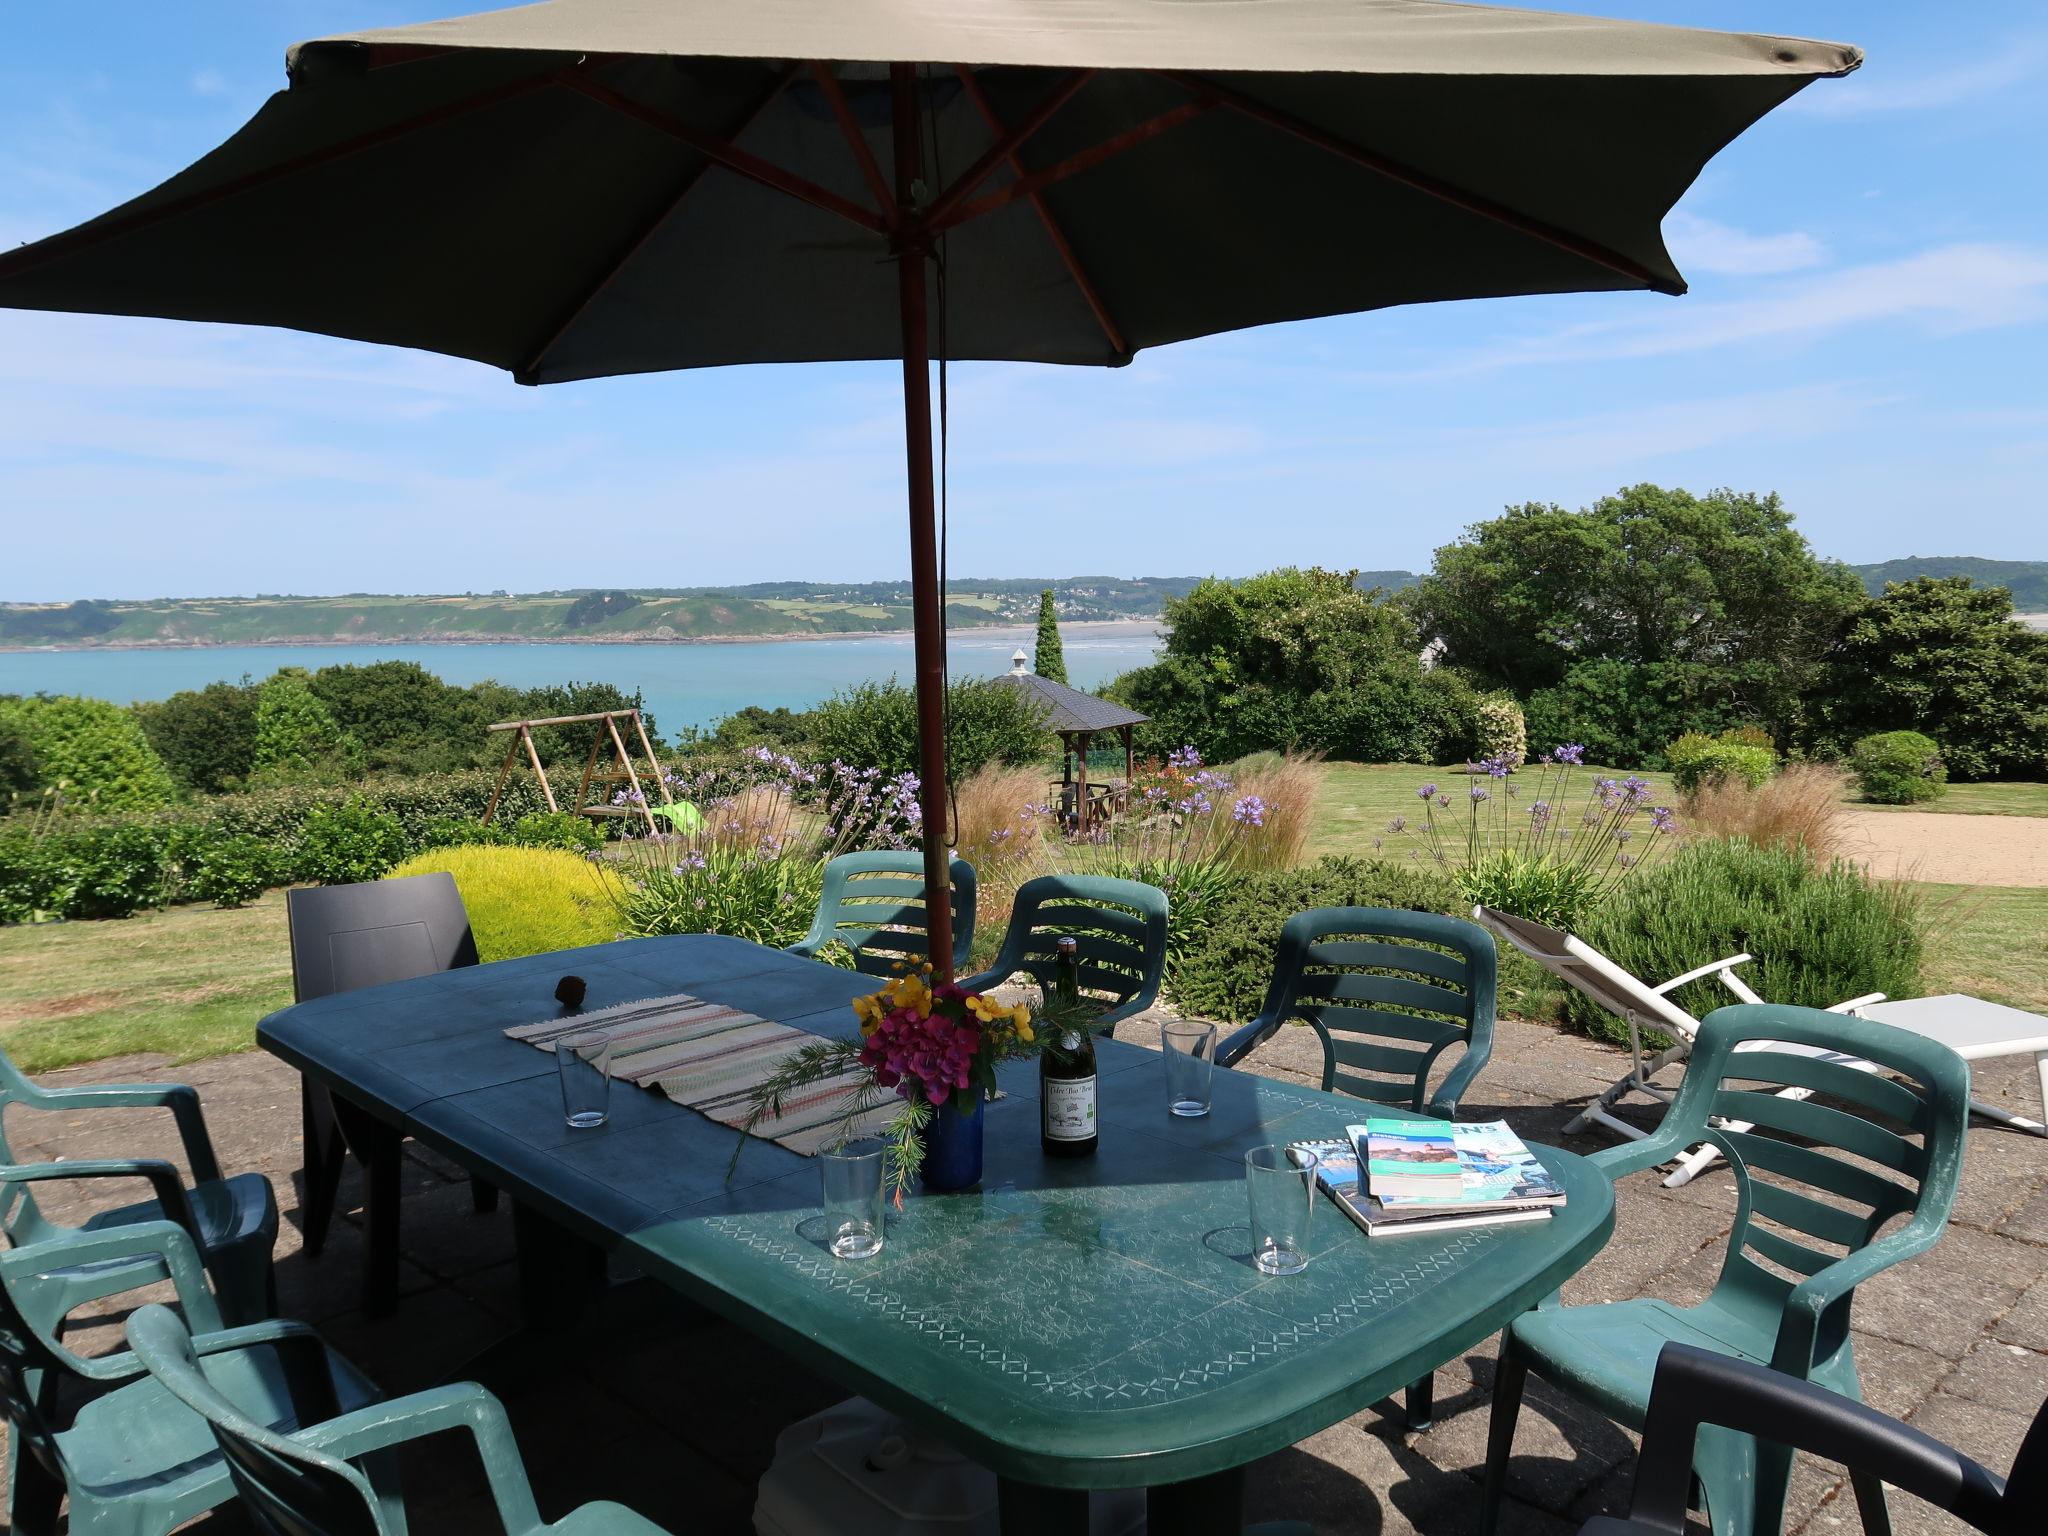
{"x":525,"y":901}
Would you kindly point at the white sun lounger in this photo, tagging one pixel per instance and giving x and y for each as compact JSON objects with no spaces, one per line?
{"x":1639,"y":1005}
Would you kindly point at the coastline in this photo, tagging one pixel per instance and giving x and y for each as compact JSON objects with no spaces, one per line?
{"x":642,"y":637}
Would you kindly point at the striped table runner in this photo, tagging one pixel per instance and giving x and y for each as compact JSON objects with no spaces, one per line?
{"x":708,"y":1057}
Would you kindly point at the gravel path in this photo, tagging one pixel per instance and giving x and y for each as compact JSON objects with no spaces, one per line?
{"x":1954,"y":850}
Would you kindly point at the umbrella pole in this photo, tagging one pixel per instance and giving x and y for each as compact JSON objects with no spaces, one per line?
{"x":927,"y":613}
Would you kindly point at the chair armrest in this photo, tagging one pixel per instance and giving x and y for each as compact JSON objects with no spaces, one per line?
{"x":1698,"y":973}
{"x":179,"y":1098}
{"x":164,"y":1241}
{"x":1696,"y":1386}
{"x":1240,"y":1043}
{"x":1444,"y":1101}
{"x":1815,"y":1315}
{"x":463,"y":1405}
{"x":1858,"y":1002}
{"x":308,"y":1371}
{"x":164,"y":1181}
{"x":1634,"y":1156}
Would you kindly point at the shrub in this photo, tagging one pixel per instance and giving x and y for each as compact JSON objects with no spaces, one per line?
{"x":1697,"y":760}
{"x":524,"y":901}
{"x":1898,"y":768}
{"x":206,"y":736}
{"x":1500,"y":731}
{"x":1819,"y":933}
{"x":1800,"y":808}
{"x":1226,"y":959}
{"x":95,"y":749}
{"x":347,"y":843}
{"x":874,"y":726}
{"x":298,"y":740}
{"x":111,"y":870}
{"x":34,"y":878}
{"x":558,"y":829}
{"x":718,"y":889}
{"x":228,"y":869}
{"x":1550,"y":890}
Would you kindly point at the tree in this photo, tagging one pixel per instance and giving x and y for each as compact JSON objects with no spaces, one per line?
{"x":1712,"y":609}
{"x":1943,"y":656}
{"x":1051,"y":660}
{"x":298,"y":740}
{"x":206,"y":736}
{"x":96,"y":750}
{"x":1296,"y":659}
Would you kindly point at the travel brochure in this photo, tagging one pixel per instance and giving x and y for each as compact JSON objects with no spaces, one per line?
{"x":1433,"y":1176}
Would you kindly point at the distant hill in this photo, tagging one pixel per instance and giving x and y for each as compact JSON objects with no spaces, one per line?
{"x":2027,"y":579}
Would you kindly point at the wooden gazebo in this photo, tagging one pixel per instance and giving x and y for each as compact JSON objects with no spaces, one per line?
{"x":1075,"y":717}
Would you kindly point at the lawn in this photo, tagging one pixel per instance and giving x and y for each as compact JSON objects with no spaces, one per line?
{"x":1980,"y":800}
{"x":1359,"y":799}
{"x":1987,"y":941}
{"x":189,"y":982}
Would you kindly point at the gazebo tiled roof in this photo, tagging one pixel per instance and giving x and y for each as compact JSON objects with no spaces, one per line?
{"x":1069,"y":709}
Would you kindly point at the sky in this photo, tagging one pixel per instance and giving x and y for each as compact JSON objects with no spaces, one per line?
{"x":1864,"y":335}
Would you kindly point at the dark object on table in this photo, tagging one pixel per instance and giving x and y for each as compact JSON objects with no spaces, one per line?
{"x":569,"y":992}
{"x":1698,"y":1386}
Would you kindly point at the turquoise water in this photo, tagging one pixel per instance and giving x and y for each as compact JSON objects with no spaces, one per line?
{"x":682,"y":684}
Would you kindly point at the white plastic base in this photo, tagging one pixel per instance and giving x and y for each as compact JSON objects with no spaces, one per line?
{"x":858,"y":1470}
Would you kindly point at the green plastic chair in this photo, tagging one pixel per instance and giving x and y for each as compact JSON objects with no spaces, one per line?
{"x":1382,"y":1033}
{"x":1120,"y":928}
{"x":1816,"y":1183}
{"x":873,"y":903}
{"x":1388,"y":992}
{"x":233,"y":1221}
{"x":132,"y":1461}
{"x":301,"y":1483}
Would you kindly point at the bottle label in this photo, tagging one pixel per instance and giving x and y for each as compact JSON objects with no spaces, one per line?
{"x":1069,"y":1108}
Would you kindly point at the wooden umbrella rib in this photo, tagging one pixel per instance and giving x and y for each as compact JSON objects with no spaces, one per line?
{"x":871,"y":172}
{"x":734,"y":159}
{"x":1060,"y":243}
{"x":1006,"y":146}
{"x":1431,"y":186}
{"x":14,"y":263}
{"x":1073,"y":165}
{"x":530,"y":373}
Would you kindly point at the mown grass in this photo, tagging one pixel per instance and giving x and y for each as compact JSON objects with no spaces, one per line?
{"x":1988,"y":941}
{"x":1360,"y":799}
{"x":1977,"y":800}
{"x":189,"y":982}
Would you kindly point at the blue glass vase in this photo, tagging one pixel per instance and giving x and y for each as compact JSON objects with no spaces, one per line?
{"x":952,"y":1145}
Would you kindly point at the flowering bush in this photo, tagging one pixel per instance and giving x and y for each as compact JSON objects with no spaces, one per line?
{"x":1540,"y":860}
{"x":927,"y":1046}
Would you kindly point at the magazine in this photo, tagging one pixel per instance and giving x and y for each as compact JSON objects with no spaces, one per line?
{"x":1488,"y":1168}
{"x":1337,"y":1173}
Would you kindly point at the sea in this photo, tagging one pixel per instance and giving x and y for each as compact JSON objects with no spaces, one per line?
{"x":681,"y":683}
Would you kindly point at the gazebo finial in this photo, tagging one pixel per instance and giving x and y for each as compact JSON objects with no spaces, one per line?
{"x":1020,"y":664}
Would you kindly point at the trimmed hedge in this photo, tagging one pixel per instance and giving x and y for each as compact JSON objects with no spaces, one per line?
{"x":1698,"y":761}
{"x":1898,"y":768}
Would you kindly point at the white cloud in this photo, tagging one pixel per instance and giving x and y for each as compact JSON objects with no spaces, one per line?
{"x":1877,"y":88}
{"x":1703,"y":245}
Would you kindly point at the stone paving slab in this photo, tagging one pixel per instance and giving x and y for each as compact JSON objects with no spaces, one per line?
{"x":654,"y":1402}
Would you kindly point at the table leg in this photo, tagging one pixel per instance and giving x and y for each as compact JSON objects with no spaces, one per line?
{"x":1202,"y":1506}
{"x":559,"y":1272}
{"x":1025,"y":1509}
{"x":322,"y":1172}
{"x":379,"y":1147}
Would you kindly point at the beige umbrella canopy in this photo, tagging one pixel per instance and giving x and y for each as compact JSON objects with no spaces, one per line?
{"x":594,"y":187}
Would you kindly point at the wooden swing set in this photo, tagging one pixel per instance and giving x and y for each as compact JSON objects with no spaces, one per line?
{"x":620,"y":772}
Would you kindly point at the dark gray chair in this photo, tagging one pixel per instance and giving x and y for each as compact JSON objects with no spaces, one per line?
{"x":1703,"y":1388}
{"x":344,"y":937}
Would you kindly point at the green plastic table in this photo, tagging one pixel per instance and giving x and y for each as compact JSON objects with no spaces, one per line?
{"x":1093,"y":1323}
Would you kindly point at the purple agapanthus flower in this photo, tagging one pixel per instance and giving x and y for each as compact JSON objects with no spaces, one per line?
{"x":1479,"y":792}
{"x":1249,"y":812}
{"x":1663,"y":819}
{"x":1571,"y":755}
{"x":1427,"y":792}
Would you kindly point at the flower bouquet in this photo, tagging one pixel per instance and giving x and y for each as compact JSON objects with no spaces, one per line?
{"x":933,"y":1047}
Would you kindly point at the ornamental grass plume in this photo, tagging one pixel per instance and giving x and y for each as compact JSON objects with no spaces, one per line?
{"x":1275,"y":808}
{"x":1801,"y":808}
{"x":1000,"y":819}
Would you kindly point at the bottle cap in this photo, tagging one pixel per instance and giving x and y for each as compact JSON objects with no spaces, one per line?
{"x":1068,"y":946}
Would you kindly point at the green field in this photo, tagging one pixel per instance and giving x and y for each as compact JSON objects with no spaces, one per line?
{"x":1980,"y":800}
{"x":1360,"y":799}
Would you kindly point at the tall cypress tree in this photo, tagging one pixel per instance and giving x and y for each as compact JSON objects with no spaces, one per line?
{"x":1051,"y":660}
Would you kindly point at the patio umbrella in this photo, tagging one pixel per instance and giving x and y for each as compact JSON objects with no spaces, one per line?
{"x":595,"y":187}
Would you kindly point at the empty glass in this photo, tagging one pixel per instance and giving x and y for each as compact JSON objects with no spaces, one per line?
{"x":1189,"y":1049}
{"x":852,"y":1179}
{"x":584,"y":1061}
{"x":1280,"y":1182}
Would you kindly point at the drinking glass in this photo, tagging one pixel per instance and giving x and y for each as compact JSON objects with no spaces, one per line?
{"x":852,"y":1179}
{"x":584,"y":1061}
{"x":1190,"y":1052}
{"x":1281,"y":1183}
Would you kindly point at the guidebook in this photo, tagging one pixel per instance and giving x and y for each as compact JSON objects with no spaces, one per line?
{"x":1491,"y":1158}
{"x":1442,"y":1168}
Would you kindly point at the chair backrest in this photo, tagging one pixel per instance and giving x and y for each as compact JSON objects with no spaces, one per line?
{"x":349,"y":936}
{"x":1579,"y":965}
{"x":1819,"y":1181}
{"x":1388,"y":991}
{"x":1120,"y":931}
{"x":873,"y":903}
{"x":288,"y":1489}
